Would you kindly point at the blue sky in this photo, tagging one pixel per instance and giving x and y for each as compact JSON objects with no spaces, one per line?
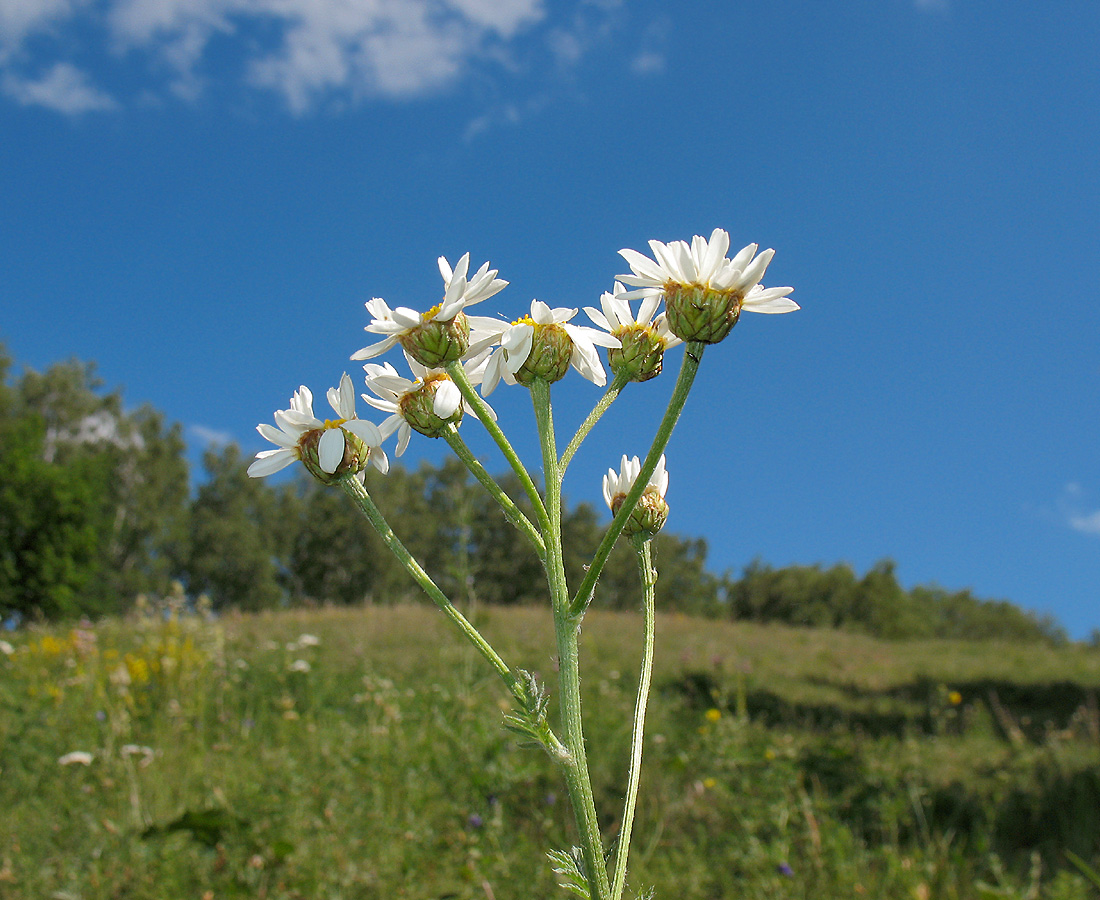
{"x":200,"y":195}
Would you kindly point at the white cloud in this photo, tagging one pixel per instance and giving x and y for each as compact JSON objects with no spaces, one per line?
{"x":648,"y":62}
{"x":299,"y":48}
{"x":650,"y":58}
{"x":1072,"y":501}
{"x":64,"y":88}
{"x":19,"y":18}
{"x":210,"y":435}
{"x":1086,"y":524}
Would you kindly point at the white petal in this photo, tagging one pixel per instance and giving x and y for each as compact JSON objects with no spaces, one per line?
{"x":584,"y":334}
{"x":405,"y":317}
{"x":445,"y":269}
{"x":755,"y":270}
{"x":743,"y":256}
{"x":287,"y":441}
{"x":648,"y":308}
{"x":404,"y":432}
{"x":717,"y":247}
{"x":330,"y":450}
{"x":667,"y":258}
{"x":374,"y":349}
{"x":541,"y":313}
{"x":598,"y":317}
{"x":367,"y":432}
{"x":463,"y":267}
{"x":384,"y":405}
{"x":518,"y":348}
{"x":492,"y":373}
{"x":390,"y":425}
{"x":645,"y":267}
{"x":775,"y":305}
{"x":447,"y":399}
{"x":270,"y":461}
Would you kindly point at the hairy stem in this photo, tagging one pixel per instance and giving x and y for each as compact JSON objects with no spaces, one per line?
{"x":567,"y":631}
{"x":458,"y":376}
{"x":693,"y":355}
{"x":648,"y":578}
{"x":511,"y":512}
{"x":613,"y":389}
{"x":358,"y":493}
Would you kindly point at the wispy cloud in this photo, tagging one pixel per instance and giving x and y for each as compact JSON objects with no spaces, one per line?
{"x":64,"y":89}
{"x":210,"y":436}
{"x":1086,"y":524}
{"x":650,"y":58}
{"x":303,"y":50}
{"x":1076,"y":514}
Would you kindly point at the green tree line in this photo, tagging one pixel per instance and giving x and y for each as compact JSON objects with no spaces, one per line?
{"x":96,"y":509}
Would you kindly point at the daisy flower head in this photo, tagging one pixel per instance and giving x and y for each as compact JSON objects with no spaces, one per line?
{"x":649,"y":515}
{"x":704,"y":291}
{"x":442,"y":334}
{"x":331,"y":449}
{"x":427,"y":403}
{"x":644,"y":339}
{"x":544,"y":345}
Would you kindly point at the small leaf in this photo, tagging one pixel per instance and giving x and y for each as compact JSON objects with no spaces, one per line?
{"x":569,"y":867}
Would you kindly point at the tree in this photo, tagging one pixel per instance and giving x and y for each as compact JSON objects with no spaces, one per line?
{"x":95,"y":496}
{"x":234,"y":536}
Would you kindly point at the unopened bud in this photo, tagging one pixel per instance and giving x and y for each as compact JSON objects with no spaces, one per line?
{"x":434,"y":344}
{"x":418,"y":408}
{"x":641,"y":354}
{"x":356,"y":454}
{"x":551,"y":351}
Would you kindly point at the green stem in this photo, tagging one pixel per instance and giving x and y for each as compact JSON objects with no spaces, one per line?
{"x":458,"y":376}
{"x":567,"y":631}
{"x":693,"y":355}
{"x":358,"y":493}
{"x":511,"y":512}
{"x":620,"y":381}
{"x":648,"y":578}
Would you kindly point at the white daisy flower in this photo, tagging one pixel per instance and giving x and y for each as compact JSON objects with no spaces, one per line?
{"x":323,"y":446}
{"x":439,"y":335}
{"x":704,"y":291}
{"x":651,"y":512}
{"x":427,"y":403}
{"x":644,"y":339}
{"x":544,"y":345}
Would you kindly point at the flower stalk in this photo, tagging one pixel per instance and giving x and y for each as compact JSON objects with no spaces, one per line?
{"x":567,"y":634}
{"x":458,"y":376}
{"x":358,"y":493}
{"x":648,"y":576}
{"x":689,"y":366}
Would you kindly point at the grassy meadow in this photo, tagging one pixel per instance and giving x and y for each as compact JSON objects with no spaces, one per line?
{"x":358,"y":753}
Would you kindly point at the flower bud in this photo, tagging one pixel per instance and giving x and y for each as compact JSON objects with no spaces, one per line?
{"x":434,"y":344}
{"x":649,"y":515}
{"x":551,"y":352}
{"x":418,"y":408}
{"x":321,"y":452}
{"x":641,"y":354}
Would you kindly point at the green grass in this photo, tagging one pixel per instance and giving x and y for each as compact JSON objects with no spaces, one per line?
{"x":780,"y":763}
